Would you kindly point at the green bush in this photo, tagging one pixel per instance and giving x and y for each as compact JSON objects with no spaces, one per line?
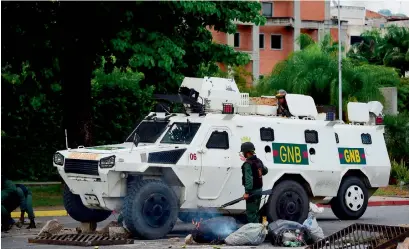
{"x":32,"y":119}
{"x":400,"y":171}
{"x":397,"y":136}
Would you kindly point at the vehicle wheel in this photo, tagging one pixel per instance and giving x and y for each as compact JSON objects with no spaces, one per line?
{"x":79,"y":212}
{"x":351,"y":200}
{"x":150,"y":209}
{"x":289,"y":201}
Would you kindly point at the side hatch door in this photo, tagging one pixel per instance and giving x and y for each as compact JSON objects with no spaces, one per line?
{"x":216,"y":163}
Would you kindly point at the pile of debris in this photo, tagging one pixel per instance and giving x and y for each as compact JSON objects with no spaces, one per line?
{"x":225,"y":230}
{"x":86,"y":235}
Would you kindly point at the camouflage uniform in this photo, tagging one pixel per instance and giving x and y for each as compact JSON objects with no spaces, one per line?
{"x":282,"y":108}
{"x":253,"y":170}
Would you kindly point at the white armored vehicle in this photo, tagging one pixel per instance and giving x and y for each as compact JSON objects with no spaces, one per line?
{"x":184,"y":164}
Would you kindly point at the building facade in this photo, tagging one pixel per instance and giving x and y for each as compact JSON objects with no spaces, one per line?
{"x":274,"y":41}
{"x":287,"y":19}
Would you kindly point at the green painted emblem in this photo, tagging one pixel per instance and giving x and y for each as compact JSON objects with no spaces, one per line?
{"x":106,"y":148}
{"x":290,"y":153}
{"x":352,"y":155}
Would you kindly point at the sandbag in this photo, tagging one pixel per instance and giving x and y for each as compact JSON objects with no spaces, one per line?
{"x":214,"y":230}
{"x":315,"y":231}
{"x":250,"y":234}
{"x":278,"y":228}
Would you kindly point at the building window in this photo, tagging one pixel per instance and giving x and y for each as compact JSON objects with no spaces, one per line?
{"x":356,"y":39}
{"x":261,"y":41}
{"x":237,"y":40}
{"x":267,"y":9}
{"x":276,"y":42}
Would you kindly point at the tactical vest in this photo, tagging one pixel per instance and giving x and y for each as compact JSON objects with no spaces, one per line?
{"x":256,"y":170}
{"x":23,"y":188}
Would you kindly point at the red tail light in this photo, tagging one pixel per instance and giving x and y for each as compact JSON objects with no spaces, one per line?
{"x":228,"y":108}
{"x":379,"y":120}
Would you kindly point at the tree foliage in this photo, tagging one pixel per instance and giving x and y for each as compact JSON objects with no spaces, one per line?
{"x":91,"y":68}
{"x":314,"y":71}
{"x":397,"y":136}
{"x":389,"y":49}
{"x":64,"y":41}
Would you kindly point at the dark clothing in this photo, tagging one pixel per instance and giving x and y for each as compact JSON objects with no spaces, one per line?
{"x":12,"y":197}
{"x":257,"y":168}
{"x":252,"y":208}
{"x":253,"y":170}
{"x":9,"y":202}
{"x":26,"y":202}
{"x":252,"y":179}
{"x":283,"y":110}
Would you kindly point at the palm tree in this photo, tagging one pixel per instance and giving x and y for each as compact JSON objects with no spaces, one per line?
{"x":314,"y":71}
{"x":390,"y":49}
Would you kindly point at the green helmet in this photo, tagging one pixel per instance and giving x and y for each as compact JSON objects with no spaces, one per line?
{"x":247,"y":147}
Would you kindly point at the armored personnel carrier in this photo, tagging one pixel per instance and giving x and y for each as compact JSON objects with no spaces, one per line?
{"x":182,"y":164}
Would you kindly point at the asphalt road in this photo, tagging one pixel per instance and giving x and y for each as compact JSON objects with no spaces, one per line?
{"x":386,"y":215}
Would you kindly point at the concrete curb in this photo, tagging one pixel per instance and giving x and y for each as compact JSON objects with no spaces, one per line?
{"x":48,"y":213}
{"x":57,"y":213}
{"x":380,"y":203}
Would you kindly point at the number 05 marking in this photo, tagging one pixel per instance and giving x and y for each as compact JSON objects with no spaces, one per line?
{"x":193,"y":156}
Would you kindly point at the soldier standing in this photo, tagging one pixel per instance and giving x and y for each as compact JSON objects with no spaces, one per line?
{"x":253,"y":170}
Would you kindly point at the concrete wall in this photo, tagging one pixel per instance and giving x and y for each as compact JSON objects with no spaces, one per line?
{"x":354,"y":15}
{"x":404,"y":23}
{"x":391,"y":100}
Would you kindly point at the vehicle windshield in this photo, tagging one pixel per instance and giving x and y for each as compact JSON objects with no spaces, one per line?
{"x":149,"y":131}
{"x":180,"y":133}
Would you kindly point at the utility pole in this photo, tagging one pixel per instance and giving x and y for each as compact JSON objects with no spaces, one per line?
{"x":339,"y":62}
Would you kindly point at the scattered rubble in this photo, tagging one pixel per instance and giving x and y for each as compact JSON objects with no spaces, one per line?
{"x":404,"y":244}
{"x":175,"y":239}
{"x":52,"y":227}
{"x":189,"y":240}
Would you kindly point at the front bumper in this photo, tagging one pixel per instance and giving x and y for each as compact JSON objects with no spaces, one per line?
{"x":102,"y":191}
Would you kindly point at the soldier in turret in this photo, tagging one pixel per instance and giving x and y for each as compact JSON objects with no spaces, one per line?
{"x":282,"y":109}
{"x":253,"y":170}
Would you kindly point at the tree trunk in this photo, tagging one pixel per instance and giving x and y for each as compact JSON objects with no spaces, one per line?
{"x":76,"y":83}
{"x":77,"y":64}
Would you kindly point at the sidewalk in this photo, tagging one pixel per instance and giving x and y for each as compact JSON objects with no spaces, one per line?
{"x":374,"y":201}
{"x":377,"y":201}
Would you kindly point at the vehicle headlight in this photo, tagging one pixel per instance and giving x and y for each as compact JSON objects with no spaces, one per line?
{"x":107,"y":162}
{"x":58,"y":159}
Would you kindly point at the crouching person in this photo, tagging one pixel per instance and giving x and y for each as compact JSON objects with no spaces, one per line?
{"x":13,"y":196}
{"x":253,"y":170}
{"x":26,"y":204}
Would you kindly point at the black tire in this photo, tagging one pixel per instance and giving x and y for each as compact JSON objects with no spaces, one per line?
{"x":79,"y":212}
{"x":353,"y":207}
{"x":145,"y":199}
{"x":289,"y":201}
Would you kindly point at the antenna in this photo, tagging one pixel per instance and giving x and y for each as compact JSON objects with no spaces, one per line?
{"x":66,"y":139}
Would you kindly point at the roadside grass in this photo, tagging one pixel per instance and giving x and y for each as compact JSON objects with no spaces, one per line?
{"x":47,"y":195}
{"x":51,"y":195}
{"x":393,"y":190}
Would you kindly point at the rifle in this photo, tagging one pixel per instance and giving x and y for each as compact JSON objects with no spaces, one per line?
{"x":264,"y":192}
